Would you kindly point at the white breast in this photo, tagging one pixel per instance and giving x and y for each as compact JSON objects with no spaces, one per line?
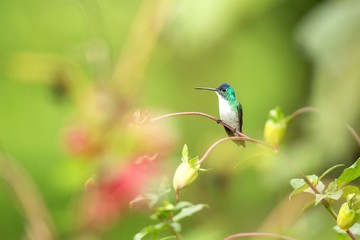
{"x":227,"y":114}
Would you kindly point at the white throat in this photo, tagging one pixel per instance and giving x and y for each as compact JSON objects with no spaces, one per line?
{"x":226,"y":113}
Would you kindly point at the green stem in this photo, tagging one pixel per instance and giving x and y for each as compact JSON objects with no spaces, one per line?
{"x":242,"y":136}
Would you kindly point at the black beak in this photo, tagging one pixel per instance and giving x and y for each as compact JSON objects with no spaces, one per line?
{"x":206,"y":88}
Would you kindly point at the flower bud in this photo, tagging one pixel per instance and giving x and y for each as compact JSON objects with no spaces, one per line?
{"x":184,"y":175}
{"x":275,"y":127}
{"x":347,"y":217}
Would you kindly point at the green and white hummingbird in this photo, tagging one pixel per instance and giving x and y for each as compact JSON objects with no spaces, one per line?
{"x":230,"y":109}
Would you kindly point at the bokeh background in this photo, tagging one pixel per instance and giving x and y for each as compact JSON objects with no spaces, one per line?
{"x":72,"y":73}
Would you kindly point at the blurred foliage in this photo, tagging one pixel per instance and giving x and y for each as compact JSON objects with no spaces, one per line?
{"x":74,"y":73}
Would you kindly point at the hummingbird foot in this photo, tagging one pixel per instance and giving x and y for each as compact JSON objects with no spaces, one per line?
{"x":235,"y":130}
{"x":219,"y":121}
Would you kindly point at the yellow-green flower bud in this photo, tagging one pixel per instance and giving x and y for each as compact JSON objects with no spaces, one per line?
{"x":275,"y":127}
{"x":184,"y":175}
{"x":347,"y":217}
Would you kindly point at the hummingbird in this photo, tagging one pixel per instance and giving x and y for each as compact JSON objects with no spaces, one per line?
{"x":230,"y":109}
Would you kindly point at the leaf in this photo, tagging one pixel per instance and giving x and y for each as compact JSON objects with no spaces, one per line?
{"x":329,"y":170}
{"x":137,"y":199}
{"x":355,"y":229}
{"x":193,"y":162}
{"x":148,"y":230}
{"x":319,"y":197}
{"x":168,"y":237}
{"x":349,"y":174}
{"x":349,"y":189}
{"x":343,"y":237}
{"x":176,"y":226}
{"x":182,"y":204}
{"x":297,"y":183}
{"x":185,"y":154}
{"x":300,"y":185}
{"x":188,"y":211}
{"x":336,"y":195}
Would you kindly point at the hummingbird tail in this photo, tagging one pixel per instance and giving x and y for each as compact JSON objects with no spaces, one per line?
{"x":237,"y":142}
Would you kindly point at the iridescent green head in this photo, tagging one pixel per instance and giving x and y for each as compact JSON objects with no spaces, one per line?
{"x":224,"y":90}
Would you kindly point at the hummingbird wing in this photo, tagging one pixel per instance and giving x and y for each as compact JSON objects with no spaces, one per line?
{"x":231,"y":133}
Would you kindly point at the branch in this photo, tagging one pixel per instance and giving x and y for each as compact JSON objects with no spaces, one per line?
{"x":214,"y":145}
{"x":260,"y":234}
{"x":242,"y":136}
{"x":40,"y":225}
{"x":301,"y":111}
{"x":353,"y":132}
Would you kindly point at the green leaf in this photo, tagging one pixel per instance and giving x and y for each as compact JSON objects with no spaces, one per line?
{"x":152,"y":229}
{"x":319,"y":186}
{"x":349,"y":174}
{"x":336,"y":195}
{"x":343,"y":237}
{"x":188,"y":211}
{"x":193,"y":162}
{"x":329,"y":170}
{"x":355,"y":229}
{"x":319,"y":197}
{"x":176,"y":226}
{"x":185,"y":154}
{"x":349,"y":189}
{"x":168,"y":237}
{"x":300,"y":185}
{"x":182,"y":204}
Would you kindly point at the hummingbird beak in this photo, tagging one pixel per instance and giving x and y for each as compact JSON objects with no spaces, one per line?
{"x":205,"y":88}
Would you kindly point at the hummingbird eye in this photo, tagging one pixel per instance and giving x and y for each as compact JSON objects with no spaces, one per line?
{"x":223,"y":90}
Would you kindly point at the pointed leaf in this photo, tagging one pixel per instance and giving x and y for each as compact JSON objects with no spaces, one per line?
{"x":176,"y":226}
{"x":148,"y":230}
{"x":336,"y":195}
{"x":355,"y":229}
{"x":332,"y":187}
{"x":185,"y":154}
{"x":329,"y":170}
{"x":349,"y":174}
{"x":300,"y":185}
{"x":182,"y":204}
{"x":349,"y":189}
{"x":193,"y":162}
{"x":297,"y":183}
{"x":189,"y":211}
{"x":168,"y":237}
{"x":319,"y":197}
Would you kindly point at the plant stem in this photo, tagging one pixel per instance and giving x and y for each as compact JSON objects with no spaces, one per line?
{"x":260,"y":234}
{"x":301,"y":111}
{"x":177,"y":234}
{"x":40,"y":225}
{"x":216,"y":143}
{"x":242,"y":136}
{"x":354,"y":133}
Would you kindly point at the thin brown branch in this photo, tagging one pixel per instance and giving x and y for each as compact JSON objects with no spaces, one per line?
{"x":215,"y":144}
{"x":242,"y":136}
{"x":301,"y":111}
{"x":354,"y":133}
{"x":40,"y":225}
{"x":259,"y":234}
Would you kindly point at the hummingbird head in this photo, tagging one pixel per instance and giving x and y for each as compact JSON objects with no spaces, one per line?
{"x":224,"y":91}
